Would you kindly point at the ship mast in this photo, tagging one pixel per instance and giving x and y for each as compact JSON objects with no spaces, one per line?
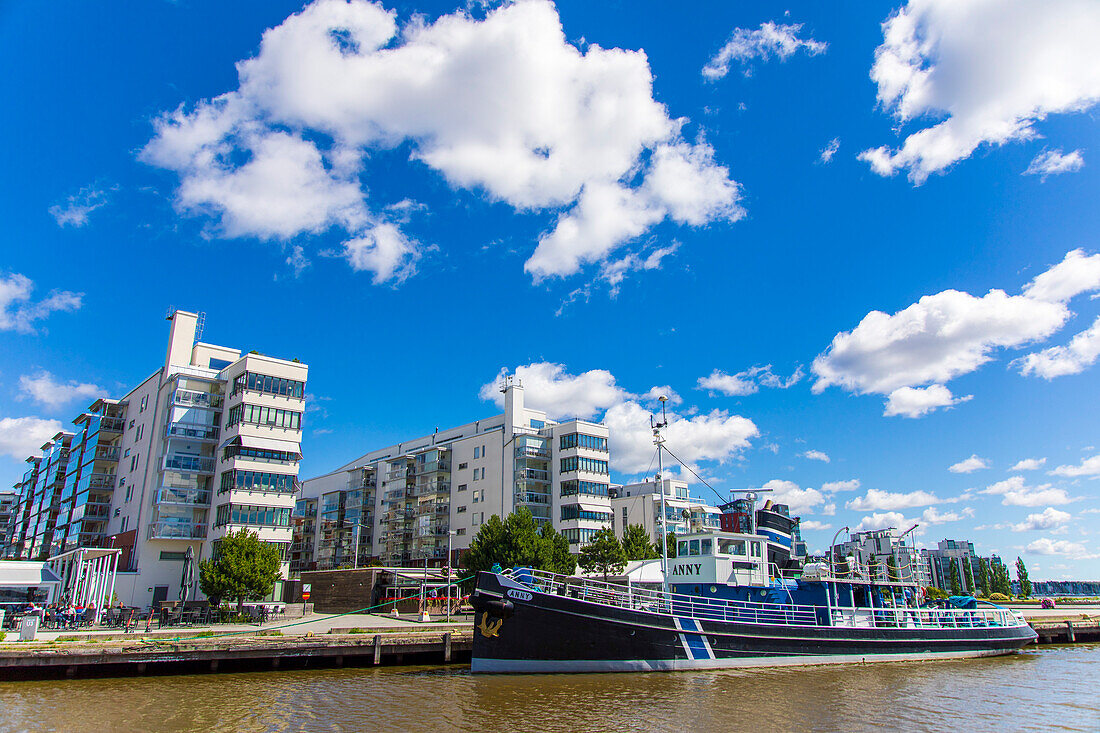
{"x":658,"y":440}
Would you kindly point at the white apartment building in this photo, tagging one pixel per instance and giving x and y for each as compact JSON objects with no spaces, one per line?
{"x":874,"y":548}
{"x":400,"y":504}
{"x":207,"y":444}
{"x":640,"y":503}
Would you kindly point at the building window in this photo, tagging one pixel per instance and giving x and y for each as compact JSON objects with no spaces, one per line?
{"x":462,"y":487}
{"x":579,"y":463}
{"x":254,"y":454}
{"x":586,"y":488}
{"x":460,"y":510}
{"x":258,"y":415}
{"x":461,"y":466}
{"x":460,"y":531}
{"x":575,"y":511}
{"x":262,"y":516}
{"x":580,"y":440}
{"x":269,"y":385}
{"x":279,"y":483}
{"x":580,"y":536}
{"x":144,"y":403}
{"x":477,"y":495}
{"x":171,"y":556}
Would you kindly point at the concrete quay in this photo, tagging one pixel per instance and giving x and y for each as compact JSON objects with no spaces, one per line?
{"x":206,"y":652}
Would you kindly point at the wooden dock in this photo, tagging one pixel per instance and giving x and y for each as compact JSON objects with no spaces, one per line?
{"x":1067,"y":631}
{"x":113,"y":657}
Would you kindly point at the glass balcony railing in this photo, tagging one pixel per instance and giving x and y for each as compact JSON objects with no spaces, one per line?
{"x":189,"y":464}
{"x":190,"y":497}
{"x":529,"y":452}
{"x":107,"y":453}
{"x":191,"y":431}
{"x":101,"y":481}
{"x":191,"y":398}
{"x":111,"y":425}
{"x":176,"y":531}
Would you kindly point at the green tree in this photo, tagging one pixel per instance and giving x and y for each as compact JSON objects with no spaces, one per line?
{"x":1021,"y":576}
{"x":968,"y":576}
{"x":603,"y":554}
{"x":555,"y":554}
{"x":983,"y":577}
{"x":934,"y":592}
{"x":954,"y":585}
{"x":1001,"y":583}
{"x":486,"y":548}
{"x":522,"y":543}
{"x":892,"y":569}
{"x":245,"y":568}
{"x":670,"y":544}
{"x":636,"y":543}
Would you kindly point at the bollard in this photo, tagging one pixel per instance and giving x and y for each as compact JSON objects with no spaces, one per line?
{"x":377,"y":648}
{"x":1069,"y":630}
{"x":447,"y":647}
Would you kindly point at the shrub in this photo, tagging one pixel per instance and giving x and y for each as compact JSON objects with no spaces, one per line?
{"x":998,"y":597}
{"x":3,"y":635}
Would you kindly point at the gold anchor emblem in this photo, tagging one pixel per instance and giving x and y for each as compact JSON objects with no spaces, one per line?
{"x":489,"y":629}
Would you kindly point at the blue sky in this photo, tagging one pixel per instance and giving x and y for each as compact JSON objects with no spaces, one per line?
{"x":608,"y":197}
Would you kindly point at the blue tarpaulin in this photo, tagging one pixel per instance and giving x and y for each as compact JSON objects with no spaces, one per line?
{"x":962,"y":602}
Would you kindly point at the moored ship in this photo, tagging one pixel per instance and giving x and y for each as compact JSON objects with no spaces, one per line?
{"x":724,"y":609}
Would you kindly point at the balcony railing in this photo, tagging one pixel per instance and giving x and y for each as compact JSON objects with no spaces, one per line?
{"x":189,"y":464}
{"x":96,"y":510}
{"x":191,"y":497}
{"x":107,"y":453}
{"x":191,"y":398}
{"x":528,"y":452}
{"x":101,"y":481}
{"x":176,"y":531}
{"x":192,"y":431}
{"x":433,"y":466}
{"x":111,"y":425}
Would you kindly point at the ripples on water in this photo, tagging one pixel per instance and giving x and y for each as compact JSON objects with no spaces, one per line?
{"x":1042,"y":689}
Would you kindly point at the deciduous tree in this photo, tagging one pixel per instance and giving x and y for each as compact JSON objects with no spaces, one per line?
{"x":1021,"y":576}
{"x":603,"y":554}
{"x":244,"y":569}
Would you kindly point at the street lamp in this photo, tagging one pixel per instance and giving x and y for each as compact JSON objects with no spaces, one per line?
{"x":450,"y":533}
{"x":355,"y":562}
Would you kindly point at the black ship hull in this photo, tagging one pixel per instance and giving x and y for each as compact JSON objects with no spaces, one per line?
{"x":521,"y":630}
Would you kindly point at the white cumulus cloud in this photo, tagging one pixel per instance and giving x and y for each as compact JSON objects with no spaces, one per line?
{"x":981,"y":73}
{"x":75,"y":210}
{"x":816,"y":455}
{"x":1087,"y":467}
{"x":876,"y":499}
{"x":23,"y":436}
{"x":1058,"y":361}
{"x":748,"y":381}
{"x":829,"y":150}
{"x":1028,"y":464}
{"x":1049,"y":518}
{"x":503,"y":106}
{"x":549,"y":387}
{"x":768,"y":40}
{"x":1075,"y":550}
{"x":19,"y":313}
{"x":799,"y":500}
{"x":832,"y":487}
{"x":1053,"y":163}
{"x":969,"y":465}
{"x":1015,"y":492}
{"x":910,"y":355}
{"x":43,"y":387}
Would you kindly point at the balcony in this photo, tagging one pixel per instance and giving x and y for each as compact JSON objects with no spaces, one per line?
{"x":177,"y":531}
{"x":101,"y":481}
{"x":107,"y":453}
{"x":192,"y":431}
{"x":97,"y":510}
{"x":189,"y":497}
{"x":528,"y":452}
{"x":112,"y":425}
{"x":433,"y":466}
{"x":189,"y":464}
{"x":191,"y":398}
{"x":533,"y":474}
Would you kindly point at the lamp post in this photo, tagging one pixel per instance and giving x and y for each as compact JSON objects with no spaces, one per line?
{"x":450,"y":533}
{"x":355,"y":561}
{"x":659,"y":440}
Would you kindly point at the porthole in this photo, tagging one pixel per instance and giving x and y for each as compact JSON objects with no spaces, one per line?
{"x":714,"y":589}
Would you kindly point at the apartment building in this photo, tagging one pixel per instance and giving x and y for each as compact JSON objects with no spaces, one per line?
{"x":405,"y":503}
{"x":8,"y":501}
{"x":959,"y":553}
{"x":640,"y":503}
{"x":874,"y":548}
{"x":208,"y":444}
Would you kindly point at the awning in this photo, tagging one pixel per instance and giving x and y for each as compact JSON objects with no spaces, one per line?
{"x":249,"y":441}
{"x":25,"y":572}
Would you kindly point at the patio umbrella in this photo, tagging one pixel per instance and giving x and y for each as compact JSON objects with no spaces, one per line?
{"x":188,"y":573}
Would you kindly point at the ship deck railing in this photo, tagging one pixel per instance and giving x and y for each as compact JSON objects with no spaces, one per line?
{"x":753,"y":612}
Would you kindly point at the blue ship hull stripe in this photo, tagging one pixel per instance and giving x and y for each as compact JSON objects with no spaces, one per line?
{"x":695,"y":644}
